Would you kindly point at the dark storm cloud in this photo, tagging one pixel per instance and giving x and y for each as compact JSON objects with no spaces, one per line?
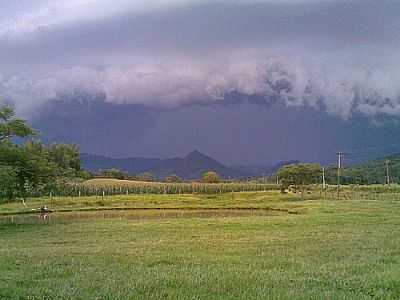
{"x":341,"y":55}
{"x":236,"y":134}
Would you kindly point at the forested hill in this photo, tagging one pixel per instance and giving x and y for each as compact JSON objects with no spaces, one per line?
{"x":373,"y":171}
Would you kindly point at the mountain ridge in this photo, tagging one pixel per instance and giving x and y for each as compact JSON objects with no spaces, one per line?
{"x":191,"y":166}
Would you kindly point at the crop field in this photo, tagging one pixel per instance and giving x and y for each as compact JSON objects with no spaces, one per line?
{"x":248,"y":245}
{"x":123,"y":187}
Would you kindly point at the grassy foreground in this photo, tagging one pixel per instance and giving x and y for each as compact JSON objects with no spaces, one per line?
{"x":330,"y":250}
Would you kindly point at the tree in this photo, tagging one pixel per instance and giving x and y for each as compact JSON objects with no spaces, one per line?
{"x":31,"y":168}
{"x":67,"y":159}
{"x":146,"y":176}
{"x":173,"y":179}
{"x":211,"y":177}
{"x":8,"y":182}
{"x":11,"y":127}
{"x":114,"y":173}
{"x":299,"y":175}
{"x":13,"y":158}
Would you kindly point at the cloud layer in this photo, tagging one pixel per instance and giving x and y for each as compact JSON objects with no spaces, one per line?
{"x":338,"y":89}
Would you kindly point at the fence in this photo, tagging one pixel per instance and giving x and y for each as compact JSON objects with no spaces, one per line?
{"x":364,"y":192}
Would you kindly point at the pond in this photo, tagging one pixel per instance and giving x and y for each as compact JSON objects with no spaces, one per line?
{"x":137,"y":214}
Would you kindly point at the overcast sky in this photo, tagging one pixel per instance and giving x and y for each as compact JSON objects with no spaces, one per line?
{"x":173,"y":52}
{"x":336,"y":56}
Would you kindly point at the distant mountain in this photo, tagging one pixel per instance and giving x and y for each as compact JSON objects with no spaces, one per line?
{"x":191,"y":166}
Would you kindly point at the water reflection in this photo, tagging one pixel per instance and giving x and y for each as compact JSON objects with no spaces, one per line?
{"x":145,"y":214}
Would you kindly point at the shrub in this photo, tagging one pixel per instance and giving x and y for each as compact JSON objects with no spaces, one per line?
{"x":211,"y":177}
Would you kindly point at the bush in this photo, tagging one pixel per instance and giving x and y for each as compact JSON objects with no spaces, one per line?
{"x":145,"y":177}
{"x":211,"y":177}
{"x":173,"y":179}
{"x":113,"y":173}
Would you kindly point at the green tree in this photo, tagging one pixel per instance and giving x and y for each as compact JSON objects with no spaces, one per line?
{"x":146,"y":176}
{"x":66,"y":158}
{"x":114,"y":173}
{"x":30,"y":168}
{"x":299,"y":175}
{"x":211,"y":177}
{"x":173,"y":179}
{"x":8,"y":182}
{"x":12,"y":158}
{"x":11,"y":127}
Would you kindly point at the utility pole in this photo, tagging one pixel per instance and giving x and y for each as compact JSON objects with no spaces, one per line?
{"x":387,"y":172}
{"x":339,"y":155}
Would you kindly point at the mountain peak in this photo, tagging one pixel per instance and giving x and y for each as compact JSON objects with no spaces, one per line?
{"x":195,"y":154}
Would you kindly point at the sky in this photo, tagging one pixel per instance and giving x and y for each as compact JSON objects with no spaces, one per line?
{"x":246,"y":81}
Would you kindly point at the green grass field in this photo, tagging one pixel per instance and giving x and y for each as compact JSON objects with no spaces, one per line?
{"x":305,"y":249}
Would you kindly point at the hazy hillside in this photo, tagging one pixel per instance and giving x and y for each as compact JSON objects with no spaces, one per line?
{"x":195,"y":164}
{"x":374,"y":171}
{"x":191,"y":166}
{"x":254,"y":170}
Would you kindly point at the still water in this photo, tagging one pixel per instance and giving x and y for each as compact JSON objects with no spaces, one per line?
{"x":137,"y":214}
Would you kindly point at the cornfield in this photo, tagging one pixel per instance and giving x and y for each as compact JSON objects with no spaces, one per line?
{"x":109,"y":187}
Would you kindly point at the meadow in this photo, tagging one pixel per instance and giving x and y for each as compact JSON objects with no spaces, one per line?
{"x":293,"y":248}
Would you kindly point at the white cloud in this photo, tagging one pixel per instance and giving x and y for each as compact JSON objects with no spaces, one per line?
{"x":342,"y":90}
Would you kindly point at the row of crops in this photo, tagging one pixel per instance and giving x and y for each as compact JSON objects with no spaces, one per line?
{"x":121,"y":188}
